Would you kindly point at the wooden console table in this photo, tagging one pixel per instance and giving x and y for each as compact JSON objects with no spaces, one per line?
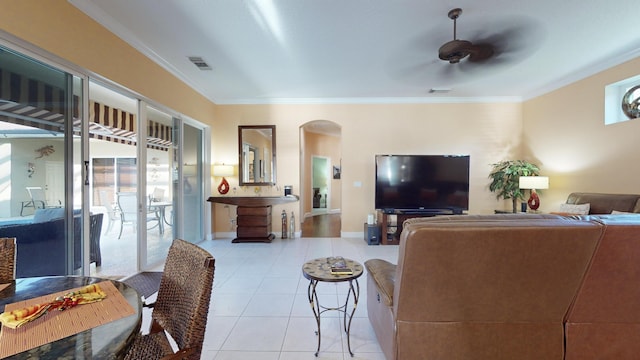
{"x":253,"y":215}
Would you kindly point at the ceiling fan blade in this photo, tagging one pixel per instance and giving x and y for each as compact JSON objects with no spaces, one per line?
{"x":511,"y":44}
{"x":480,"y":52}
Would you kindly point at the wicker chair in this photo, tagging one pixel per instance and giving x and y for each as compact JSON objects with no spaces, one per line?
{"x":181,"y":307}
{"x":7,"y":260}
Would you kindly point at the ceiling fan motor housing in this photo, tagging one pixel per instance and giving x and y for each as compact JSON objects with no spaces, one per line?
{"x":454,"y":51}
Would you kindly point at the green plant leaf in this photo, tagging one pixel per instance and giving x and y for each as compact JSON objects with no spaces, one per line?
{"x":505,"y":177}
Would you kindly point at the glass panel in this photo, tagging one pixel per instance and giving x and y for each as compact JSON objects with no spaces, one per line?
{"x":113,"y":168}
{"x":33,"y":109}
{"x":77,"y":186}
{"x":159,"y":191}
{"x":192,"y":183}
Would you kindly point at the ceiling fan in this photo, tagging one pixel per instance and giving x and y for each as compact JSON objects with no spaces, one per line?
{"x":456,"y":50}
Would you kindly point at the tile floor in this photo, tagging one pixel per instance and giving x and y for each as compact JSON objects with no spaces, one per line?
{"x":259,"y":307}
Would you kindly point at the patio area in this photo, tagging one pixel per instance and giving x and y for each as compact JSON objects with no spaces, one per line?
{"x":119,"y":255}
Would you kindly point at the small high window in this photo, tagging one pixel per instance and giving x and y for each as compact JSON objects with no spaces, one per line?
{"x":627,"y":91}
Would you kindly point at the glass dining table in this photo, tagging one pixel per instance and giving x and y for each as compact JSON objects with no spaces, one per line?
{"x":119,"y":320}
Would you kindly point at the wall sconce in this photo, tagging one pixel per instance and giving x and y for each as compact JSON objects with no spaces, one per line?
{"x":222,"y":171}
{"x":31,"y":168}
{"x":532,"y":183}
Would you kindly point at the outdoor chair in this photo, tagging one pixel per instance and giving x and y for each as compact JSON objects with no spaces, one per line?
{"x":110,"y":207}
{"x":7,"y":260}
{"x":181,"y":307}
{"x":128,"y":208}
{"x":157,"y":203}
{"x":37,"y":200}
{"x":157,"y":195}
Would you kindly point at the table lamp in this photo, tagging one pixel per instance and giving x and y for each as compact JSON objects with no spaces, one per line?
{"x":222,"y":171}
{"x":532,"y":183}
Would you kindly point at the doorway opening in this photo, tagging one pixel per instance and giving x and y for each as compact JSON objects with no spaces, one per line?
{"x":320,"y":189}
{"x":320,"y":184}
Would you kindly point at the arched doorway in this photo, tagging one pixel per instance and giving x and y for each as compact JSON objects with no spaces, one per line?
{"x":320,"y":180}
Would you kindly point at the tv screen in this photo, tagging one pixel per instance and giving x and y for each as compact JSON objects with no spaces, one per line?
{"x":422,"y":182}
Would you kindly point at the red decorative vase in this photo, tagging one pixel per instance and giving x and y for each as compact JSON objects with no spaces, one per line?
{"x":223,"y":188}
{"x":534,"y":201}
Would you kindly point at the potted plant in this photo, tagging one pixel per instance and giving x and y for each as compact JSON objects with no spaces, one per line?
{"x":505,"y":177}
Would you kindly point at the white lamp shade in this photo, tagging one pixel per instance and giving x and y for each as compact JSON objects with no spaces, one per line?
{"x":534,"y":182}
{"x":222,"y":170}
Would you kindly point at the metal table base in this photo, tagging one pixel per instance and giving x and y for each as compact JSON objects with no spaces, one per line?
{"x":319,"y":270}
{"x":319,"y":309}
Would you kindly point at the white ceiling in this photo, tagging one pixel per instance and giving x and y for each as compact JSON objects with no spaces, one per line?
{"x":361,"y":51}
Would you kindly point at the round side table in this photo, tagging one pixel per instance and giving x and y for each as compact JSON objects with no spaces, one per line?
{"x":318,"y":270}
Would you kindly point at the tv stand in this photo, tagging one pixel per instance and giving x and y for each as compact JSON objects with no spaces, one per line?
{"x":423,"y":211}
{"x":391,"y":221}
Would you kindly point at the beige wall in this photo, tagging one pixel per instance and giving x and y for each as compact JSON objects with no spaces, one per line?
{"x":564,"y":130}
{"x":487,"y":132}
{"x":16,"y":154}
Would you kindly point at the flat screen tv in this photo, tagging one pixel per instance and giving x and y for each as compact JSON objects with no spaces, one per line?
{"x":429,"y":183}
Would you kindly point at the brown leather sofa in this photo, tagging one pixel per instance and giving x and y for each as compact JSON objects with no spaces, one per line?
{"x":606,"y":203}
{"x":509,"y":287}
{"x":604,"y":319}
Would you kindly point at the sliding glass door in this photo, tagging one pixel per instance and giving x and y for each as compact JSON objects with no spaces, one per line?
{"x":159,"y":192}
{"x":92,"y":177}
{"x":41,"y":181}
{"x":113,"y":159}
{"x":192,"y":184}
{"x":141,"y":176}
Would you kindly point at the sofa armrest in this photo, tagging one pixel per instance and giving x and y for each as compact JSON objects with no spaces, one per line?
{"x":383,"y":274}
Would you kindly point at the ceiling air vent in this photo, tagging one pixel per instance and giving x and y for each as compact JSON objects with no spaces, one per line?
{"x":439,"y":90}
{"x":199,"y":62}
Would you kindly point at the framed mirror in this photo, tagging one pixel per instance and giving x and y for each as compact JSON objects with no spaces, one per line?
{"x":257,"y":154}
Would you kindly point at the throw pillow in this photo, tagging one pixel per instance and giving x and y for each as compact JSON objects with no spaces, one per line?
{"x":575,"y":209}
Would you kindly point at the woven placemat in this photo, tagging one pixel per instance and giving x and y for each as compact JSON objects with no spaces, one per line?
{"x":146,"y":283}
{"x":59,"y":324}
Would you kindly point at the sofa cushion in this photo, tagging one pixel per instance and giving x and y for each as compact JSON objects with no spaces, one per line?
{"x":575,"y":209}
{"x":383,"y":274}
